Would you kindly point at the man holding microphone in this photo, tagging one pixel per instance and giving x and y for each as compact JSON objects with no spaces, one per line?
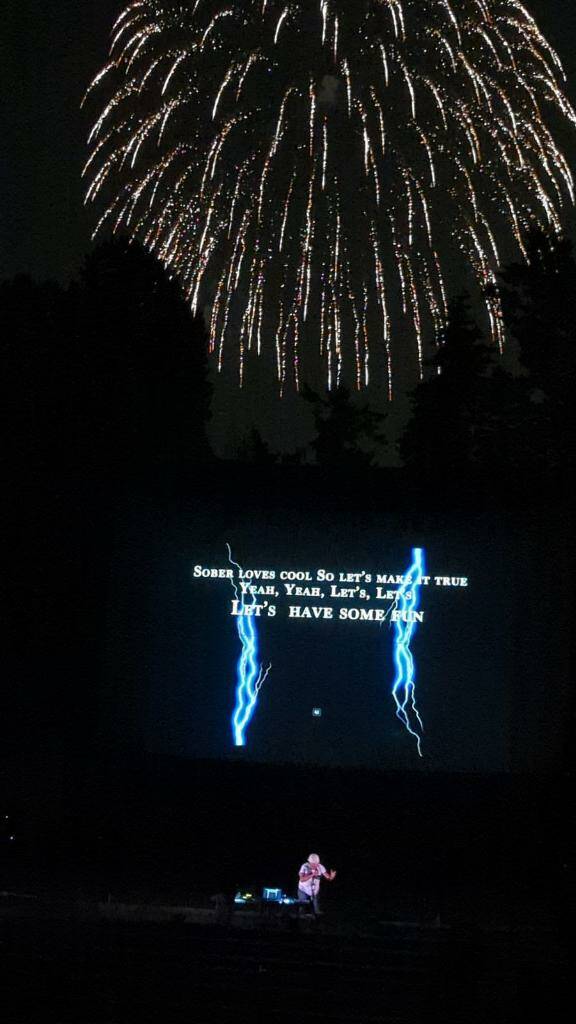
{"x":309,"y":878}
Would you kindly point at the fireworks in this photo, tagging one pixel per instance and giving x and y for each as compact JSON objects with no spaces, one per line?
{"x":309,"y":170}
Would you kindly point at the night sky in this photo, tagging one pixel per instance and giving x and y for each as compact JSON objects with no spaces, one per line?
{"x":52,"y":53}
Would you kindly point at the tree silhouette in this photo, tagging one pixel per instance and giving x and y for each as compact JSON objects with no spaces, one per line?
{"x":144,"y":378}
{"x":106,"y":377}
{"x":101,"y":384}
{"x":346,"y":434}
{"x":446,"y":435}
{"x":538,"y":303}
{"x":472,"y":419}
{"x":35,"y":371}
{"x":253,"y":449}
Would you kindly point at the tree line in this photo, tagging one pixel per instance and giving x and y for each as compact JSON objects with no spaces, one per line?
{"x":108,"y":378}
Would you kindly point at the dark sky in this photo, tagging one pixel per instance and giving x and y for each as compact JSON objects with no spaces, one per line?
{"x":51,"y":52}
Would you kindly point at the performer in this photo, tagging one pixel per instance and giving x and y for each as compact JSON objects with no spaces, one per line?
{"x":309,"y":881}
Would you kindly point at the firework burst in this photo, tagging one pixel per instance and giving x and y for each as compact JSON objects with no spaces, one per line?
{"x":309,"y":170}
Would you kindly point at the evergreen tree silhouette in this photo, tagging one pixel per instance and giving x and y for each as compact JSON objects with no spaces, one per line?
{"x":144,"y":375}
{"x":538,"y":303}
{"x":446,"y":434}
{"x":254,"y":450}
{"x":346,"y":434}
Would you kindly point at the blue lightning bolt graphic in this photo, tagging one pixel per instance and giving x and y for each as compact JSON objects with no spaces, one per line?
{"x":407,"y":601}
{"x":247,"y":676}
{"x":250,"y":676}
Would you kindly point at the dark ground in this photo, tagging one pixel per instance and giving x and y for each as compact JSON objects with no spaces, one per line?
{"x":64,"y":969}
{"x":454,"y":900}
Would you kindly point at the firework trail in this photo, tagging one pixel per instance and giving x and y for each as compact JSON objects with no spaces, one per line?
{"x":310,"y":170}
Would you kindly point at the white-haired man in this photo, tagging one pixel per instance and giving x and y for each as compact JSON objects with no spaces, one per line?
{"x":309,"y":881}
